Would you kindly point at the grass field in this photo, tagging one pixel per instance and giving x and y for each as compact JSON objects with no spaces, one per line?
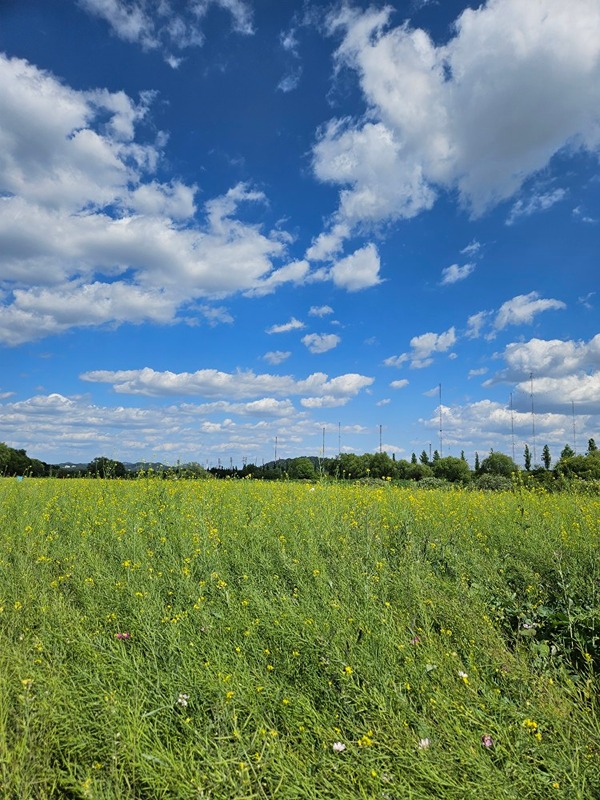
{"x":237,"y":639}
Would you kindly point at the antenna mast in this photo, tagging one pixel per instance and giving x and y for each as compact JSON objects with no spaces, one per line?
{"x":574,"y":439}
{"x":532,"y":417}
{"x":440,"y":389}
{"x":512,"y":426}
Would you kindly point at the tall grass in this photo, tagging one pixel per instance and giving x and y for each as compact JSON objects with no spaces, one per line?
{"x":163,"y":639}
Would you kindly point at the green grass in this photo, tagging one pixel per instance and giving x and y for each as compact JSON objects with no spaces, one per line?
{"x":267,"y":622}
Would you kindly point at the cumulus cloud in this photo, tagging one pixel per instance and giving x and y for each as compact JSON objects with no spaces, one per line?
{"x":487,"y":423}
{"x":399,"y":384}
{"x":423,"y":347}
{"x":478,"y":115}
{"x":320,"y":342}
{"x":295,"y":272}
{"x":55,"y":426}
{"x":455,"y":273}
{"x":293,"y":325}
{"x":521,"y":310}
{"x":227,"y":385}
{"x":553,"y":358}
{"x":477,"y":373}
{"x":360,"y":270}
{"x":276,"y":356}
{"x":475,"y":323}
{"x":84,"y":223}
{"x":561,"y":373}
{"x":165,"y":25}
{"x":320,"y":311}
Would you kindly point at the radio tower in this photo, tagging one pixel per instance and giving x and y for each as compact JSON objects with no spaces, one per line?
{"x":512,"y":426}
{"x":440,"y":388}
{"x":532,"y":418}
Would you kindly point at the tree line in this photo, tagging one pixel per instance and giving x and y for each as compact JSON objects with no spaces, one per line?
{"x":493,"y":471}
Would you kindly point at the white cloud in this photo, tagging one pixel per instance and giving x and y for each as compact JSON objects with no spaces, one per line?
{"x":55,"y":427}
{"x":422,"y":348}
{"x":549,"y":358}
{"x":290,"y":81}
{"x":475,"y":323}
{"x":396,"y":361}
{"x":476,"y":373}
{"x":293,"y":325}
{"x":295,"y":272}
{"x":399,"y":384}
{"x":320,"y":311}
{"x":360,"y":270}
{"x":428,"y":343}
{"x":472,"y":248}
{"x":83,"y":219}
{"x":486,"y":424}
{"x":320,"y":342}
{"x":328,"y":244}
{"x":535,"y":204}
{"x":276,"y":356}
{"x":521,"y":310}
{"x":227,"y":385}
{"x":560,"y":373}
{"x":385,"y":402}
{"x":165,"y":25}
{"x":455,"y":273}
{"x":516,"y":84}
{"x":216,"y":315}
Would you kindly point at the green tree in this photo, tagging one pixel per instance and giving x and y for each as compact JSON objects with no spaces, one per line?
{"x":477,"y":464}
{"x":498,"y":464}
{"x":436,"y":456}
{"x":413,"y":458}
{"x":102,"y":467}
{"x":567,"y":452}
{"x":584,"y":467}
{"x":417,"y":472}
{"x":424,"y":458}
{"x":452,"y":469}
{"x":592,"y":447}
{"x":546,"y":457}
{"x":527,"y":458}
{"x":352,"y":466}
{"x":381,"y":465}
{"x":301,"y":469}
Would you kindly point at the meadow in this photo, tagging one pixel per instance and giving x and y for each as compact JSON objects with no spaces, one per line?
{"x":242,"y":639}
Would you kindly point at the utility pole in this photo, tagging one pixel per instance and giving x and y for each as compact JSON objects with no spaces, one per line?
{"x":380,"y":442}
{"x":275,"y":448}
{"x":574,"y":439}
{"x":323,"y":451}
{"x":339,"y":438}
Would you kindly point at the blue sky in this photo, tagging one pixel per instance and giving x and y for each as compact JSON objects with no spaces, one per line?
{"x":229,"y":222}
